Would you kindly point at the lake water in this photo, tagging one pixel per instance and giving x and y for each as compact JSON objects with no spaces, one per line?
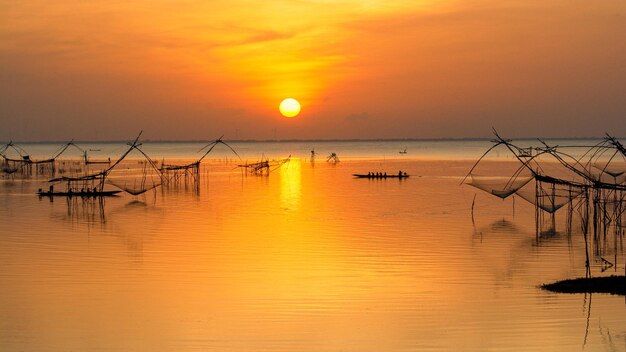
{"x":305,"y":259}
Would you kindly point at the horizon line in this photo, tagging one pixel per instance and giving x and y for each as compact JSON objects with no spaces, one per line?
{"x":291,"y":140}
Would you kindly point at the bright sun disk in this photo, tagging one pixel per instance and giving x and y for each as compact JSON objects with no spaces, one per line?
{"x":289,"y":107}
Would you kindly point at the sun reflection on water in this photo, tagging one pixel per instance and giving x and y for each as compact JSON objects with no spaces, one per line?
{"x":290,"y":185}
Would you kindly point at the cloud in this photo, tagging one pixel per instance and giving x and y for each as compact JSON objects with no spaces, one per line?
{"x":259,"y":37}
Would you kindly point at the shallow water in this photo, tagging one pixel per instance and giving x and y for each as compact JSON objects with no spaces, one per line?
{"x":305,"y":259}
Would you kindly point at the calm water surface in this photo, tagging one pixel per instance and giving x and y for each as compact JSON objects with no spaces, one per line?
{"x":306,"y":259}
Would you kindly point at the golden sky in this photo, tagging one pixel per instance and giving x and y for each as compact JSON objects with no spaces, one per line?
{"x":361,"y":69}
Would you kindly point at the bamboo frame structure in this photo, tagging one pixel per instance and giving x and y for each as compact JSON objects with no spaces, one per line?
{"x":264,"y":167}
{"x":177,"y":174}
{"x":593,"y":191}
{"x":95,"y":182}
{"x":24,"y":166}
{"x":332,"y":157}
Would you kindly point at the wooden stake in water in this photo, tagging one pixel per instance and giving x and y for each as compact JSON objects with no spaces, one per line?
{"x":473,"y":200}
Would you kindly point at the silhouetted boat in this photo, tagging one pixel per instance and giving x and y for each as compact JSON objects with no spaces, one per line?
{"x":78,"y":194}
{"x":380,"y":176}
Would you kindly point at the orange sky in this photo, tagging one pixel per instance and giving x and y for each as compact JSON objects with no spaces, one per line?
{"x":361,"y":69}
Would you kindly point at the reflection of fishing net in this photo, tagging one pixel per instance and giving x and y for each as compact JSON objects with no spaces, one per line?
{"x":134,"y":177}
{"x":548,"y":196}
{"x":502,"y":226}
{"x":611,"y":203}
{"x":499,"y":186}
{"x":612,"y":209}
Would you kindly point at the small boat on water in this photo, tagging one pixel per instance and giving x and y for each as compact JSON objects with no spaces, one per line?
{"x":381,"y":176}
{"x":78,"y":194}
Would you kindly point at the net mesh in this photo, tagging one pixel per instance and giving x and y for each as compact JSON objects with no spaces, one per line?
{"x":134,"y":187}
{"x":134,"y":177}
{"x":612,"y":173}
{"x":549,"y":197}
{"x":499,"y":186}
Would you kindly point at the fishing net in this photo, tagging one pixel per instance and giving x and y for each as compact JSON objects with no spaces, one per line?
{"x":134,"y":187}
{"x":265,"y":166}
{"x":499,"y":186}
{"x":7,"y":169}
{"x":549,"y":197}
{"x":609,"y":172}
{"x":134,"y":177}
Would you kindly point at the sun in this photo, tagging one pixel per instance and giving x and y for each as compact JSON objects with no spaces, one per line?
{"x":289,"y":107}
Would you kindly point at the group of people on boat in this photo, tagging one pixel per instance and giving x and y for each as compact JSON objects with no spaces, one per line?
{"x":384,"y":174}
{"x":88,"y":190}
{"x":376,"y":174}
{"x":82,"y":191}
